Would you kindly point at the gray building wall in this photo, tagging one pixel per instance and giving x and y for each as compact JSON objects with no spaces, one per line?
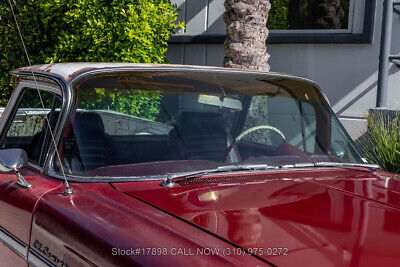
{"x":347,"y":73}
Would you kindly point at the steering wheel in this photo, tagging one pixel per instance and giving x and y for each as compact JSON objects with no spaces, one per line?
{"x":250,"y":130}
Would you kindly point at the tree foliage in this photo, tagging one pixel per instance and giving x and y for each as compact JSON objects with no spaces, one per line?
{"x":278,"y":15}
{"x":144,"y":104}
{"x":83,"y":30}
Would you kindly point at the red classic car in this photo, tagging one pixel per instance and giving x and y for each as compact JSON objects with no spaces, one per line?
{"x":165,"y":165}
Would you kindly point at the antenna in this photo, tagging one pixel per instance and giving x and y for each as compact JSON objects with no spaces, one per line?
{"x":68,"y":190}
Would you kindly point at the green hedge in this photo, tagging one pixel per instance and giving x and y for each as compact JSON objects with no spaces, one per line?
{"x":83,"y":30}
{"x":144,"y":104}
{"x":278,"y":15}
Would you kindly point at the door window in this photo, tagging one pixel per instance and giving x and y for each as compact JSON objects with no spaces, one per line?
{"x":27,"y":129}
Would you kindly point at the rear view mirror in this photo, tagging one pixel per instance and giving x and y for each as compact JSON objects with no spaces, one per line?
{"x":226,"y":102}
{"x":14,"y":160}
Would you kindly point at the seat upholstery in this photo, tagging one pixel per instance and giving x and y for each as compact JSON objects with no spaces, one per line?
{"x":199,"y":135}
{"x":94,"y":146}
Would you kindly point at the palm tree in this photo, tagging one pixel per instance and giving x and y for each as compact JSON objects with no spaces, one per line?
{"x":247,"y":32}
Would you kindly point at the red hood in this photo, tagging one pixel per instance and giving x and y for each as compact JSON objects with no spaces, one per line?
{"x":335,"y":217}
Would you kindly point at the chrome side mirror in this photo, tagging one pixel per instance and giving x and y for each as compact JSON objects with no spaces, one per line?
{"x":13,"y":160}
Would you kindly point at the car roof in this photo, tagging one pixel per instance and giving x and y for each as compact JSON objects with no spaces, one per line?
{"x":71,"y":70}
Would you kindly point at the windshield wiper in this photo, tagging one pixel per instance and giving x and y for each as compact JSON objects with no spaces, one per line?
{"x":169,"y":181}
{"x":370,"y":167}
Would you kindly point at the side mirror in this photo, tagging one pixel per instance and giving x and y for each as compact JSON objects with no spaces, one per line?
{"x":13,"y":160}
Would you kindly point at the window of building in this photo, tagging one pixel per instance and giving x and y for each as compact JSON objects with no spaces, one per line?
{"x":289,"y":21}
{"x":311,"y":14}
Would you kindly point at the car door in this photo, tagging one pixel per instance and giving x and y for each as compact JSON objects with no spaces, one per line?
{"x":23,"y":126}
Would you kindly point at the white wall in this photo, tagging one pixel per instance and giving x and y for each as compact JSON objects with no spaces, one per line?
{"x":347,"y":73}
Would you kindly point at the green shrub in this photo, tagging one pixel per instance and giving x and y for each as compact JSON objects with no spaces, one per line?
{"x":381,"y":143}
{"x":39,"y":27}
{"x":278,"y":15}
{"x":144,"y":104}
{"x":118,"y":30}
{"x":83,"y":30}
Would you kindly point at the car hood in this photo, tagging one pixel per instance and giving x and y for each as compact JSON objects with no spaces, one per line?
{"x":336,"y":217}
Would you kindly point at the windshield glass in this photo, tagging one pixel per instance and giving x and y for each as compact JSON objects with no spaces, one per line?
{"x":158,"y":123}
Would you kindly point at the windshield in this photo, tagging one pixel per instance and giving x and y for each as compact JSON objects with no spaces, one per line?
{"x":158,"y":123}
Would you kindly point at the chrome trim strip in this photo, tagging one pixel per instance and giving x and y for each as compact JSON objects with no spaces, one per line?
{"x":62,"y":124}
{"x":13,"y":243}
{"x":108,"y":179}
{"x":35,"y":166}
{"x":36,"y":259}
{"x":105,"y":179}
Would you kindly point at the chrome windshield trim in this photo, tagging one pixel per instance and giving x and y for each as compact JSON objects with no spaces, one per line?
{"x":13,"y":243}
{"x":247,"y":168}
{"x":162,"y":177}
{"x":35,"y":166}
{"x":107,"y":179}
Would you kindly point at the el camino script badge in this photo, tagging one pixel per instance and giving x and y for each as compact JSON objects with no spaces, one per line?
{"x":44,"y":250}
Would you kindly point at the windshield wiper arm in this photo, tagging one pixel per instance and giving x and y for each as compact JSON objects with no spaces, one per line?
{"x":369,"y":167}
{"x":169,"y":181}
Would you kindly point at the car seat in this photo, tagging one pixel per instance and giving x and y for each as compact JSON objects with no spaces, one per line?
{"x":199,"y":136}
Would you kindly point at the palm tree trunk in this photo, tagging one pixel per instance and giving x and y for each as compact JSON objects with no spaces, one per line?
{"x":246,"y":27}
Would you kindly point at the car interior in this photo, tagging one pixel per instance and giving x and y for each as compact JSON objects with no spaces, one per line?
{"x":195,"y":136}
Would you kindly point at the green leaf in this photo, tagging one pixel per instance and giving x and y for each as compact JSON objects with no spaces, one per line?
{"x":84,"y":30}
